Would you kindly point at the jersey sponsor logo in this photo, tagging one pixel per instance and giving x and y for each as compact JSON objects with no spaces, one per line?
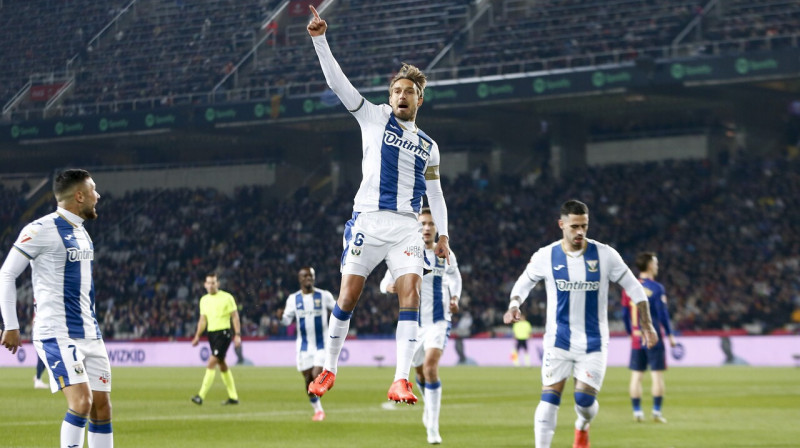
{"x":355,"y":251}
{"x":105,"y":377}
{"x":55,"y":364}
{"x":566,"y":285}
{"x":78,"y":368}
{"x":591,"y":265}
{"x":25,"y":239}
{"x":74,"y":254}
{"x":559,"y":267}
{"x":68,"y":237}
{"x":648,"y":292}
{"x":392,"y":139}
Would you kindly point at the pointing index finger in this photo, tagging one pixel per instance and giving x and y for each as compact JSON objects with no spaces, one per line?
{"x":314,"y":11}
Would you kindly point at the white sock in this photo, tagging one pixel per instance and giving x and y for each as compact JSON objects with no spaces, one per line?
{"x":337,"y":332}
{"x":98,"y":440}
{"x":433,"y":404}
{"x":316,"y":403}
{"x":73,"y":429}
{"x":544,"y":424}
{"x":101,"y":434}
{"x":406,"y":344}
{"x":586,"y":415}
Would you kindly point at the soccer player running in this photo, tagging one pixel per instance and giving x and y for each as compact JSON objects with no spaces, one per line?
{"x":310,"y":307}
{"x":576,"y":272}
{"x":217,"y":312}
{"x":656,"y":356}
{"x":400,"y":165}
{"x":441,"y":290}
{"x":66,"y":334}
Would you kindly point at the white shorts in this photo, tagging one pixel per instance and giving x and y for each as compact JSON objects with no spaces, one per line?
{"x":430,"y":336}
{"x":372,"y":237}
{"x":310,"y":359}
{"x":558,"y":364}
{"x":75,"y":361}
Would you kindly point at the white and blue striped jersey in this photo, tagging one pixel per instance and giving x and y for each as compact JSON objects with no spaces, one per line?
{"x":61,"y":255}
{"x":577,"y":293}
{"x":396,"y":153}
{"x":311,"y":312}
{"x":438,"y":286}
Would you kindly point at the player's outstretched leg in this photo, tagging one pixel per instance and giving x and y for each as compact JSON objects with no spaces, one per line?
{"x":322,"y":383}
{"x":401,"y":391}
{"x":546,"y":418}
{"x":586,"y":406}
{"x":319,"y":413}
{"x":433,"y":402}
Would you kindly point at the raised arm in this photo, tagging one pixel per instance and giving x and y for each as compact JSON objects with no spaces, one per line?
{"x":334,"y":75}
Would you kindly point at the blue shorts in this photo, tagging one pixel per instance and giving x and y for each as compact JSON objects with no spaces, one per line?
{"x":655,"y":357}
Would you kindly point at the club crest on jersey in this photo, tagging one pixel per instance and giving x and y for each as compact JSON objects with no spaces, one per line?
{"x":592,"y":265}
{"x":74,"y":254}
{"x":317,"y":303}
{"x":392,"y":139}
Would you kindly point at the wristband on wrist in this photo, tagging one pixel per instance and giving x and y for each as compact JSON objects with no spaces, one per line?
{"x":513,"y":304}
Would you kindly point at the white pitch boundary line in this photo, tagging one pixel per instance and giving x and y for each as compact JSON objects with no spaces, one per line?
{"x":226,"y":416}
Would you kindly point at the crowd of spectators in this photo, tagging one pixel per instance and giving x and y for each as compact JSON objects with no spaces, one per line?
{"x":369,"y":43}
{"x":729,"y":255}
{"x":747,"y":25}
{"x":553,"y":34}
{"x":41,"y":36}
{"x":166,"y":52}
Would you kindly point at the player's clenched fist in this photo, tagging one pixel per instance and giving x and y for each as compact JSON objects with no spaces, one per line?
{"x":317,"y":26}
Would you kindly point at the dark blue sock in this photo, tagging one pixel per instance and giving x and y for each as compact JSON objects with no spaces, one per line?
{"x":637,"y":404}
{"x":657,"y":404}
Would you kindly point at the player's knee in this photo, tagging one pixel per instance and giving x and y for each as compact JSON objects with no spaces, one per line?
{"x":584,"y":399}
{"x":81,"y":404}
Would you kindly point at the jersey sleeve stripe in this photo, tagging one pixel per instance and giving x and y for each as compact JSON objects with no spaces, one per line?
{"x":23,"y":253}
{"x":359,"y":106}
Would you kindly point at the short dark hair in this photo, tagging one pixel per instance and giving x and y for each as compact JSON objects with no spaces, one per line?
{"x":425,"y":211}
{"x":643,"y":259}
{"x":68,"y":179}
{"x":211,"y":274}
{"x":574,"y":207}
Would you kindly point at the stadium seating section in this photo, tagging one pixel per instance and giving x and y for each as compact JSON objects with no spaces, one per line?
{"x":165,"y":52}
{"x":725,"y":242}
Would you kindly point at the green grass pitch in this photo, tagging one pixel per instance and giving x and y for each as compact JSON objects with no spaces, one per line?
{"x":481,"y":407}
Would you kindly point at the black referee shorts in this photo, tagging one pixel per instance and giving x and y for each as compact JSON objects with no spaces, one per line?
{"x":219,"y":342}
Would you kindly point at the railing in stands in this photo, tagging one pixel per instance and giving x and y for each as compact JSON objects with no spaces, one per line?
{"x":251,"y":55}
{"x":695,"y":24}
{"x":442,"y":74}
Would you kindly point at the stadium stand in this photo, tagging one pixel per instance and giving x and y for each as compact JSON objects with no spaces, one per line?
{"x":162,"y":53}
{"x":729,"y":259}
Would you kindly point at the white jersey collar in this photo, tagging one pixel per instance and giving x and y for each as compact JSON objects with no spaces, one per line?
{"x":70,"y":217}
